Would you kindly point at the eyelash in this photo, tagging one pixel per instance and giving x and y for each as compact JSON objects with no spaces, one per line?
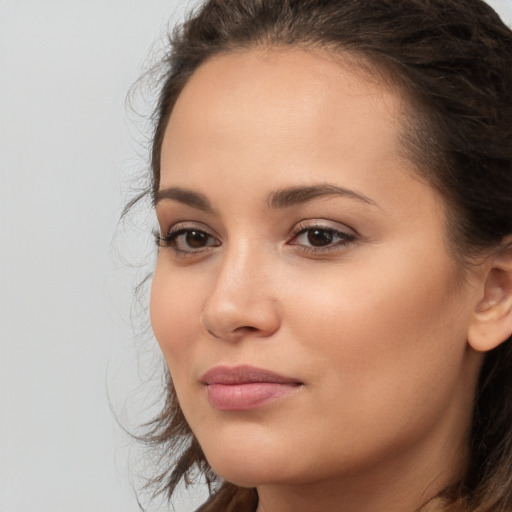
{"x":170,"y":240}
{"x":344,"y":238}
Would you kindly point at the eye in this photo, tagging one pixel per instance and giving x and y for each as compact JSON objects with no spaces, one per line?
{"x":187,"y":240}
{"x":320,"y":238}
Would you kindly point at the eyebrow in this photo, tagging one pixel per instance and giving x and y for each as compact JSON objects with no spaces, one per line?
{"x":284,"y":198}
{"x":288,"y":197}
{"x":188,"y":197}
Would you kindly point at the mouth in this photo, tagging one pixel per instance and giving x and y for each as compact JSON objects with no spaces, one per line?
{"x":242,"y":388}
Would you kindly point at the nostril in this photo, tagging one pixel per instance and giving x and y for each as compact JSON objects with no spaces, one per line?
{"x":236,"y":333}
{"x":212,"y":334}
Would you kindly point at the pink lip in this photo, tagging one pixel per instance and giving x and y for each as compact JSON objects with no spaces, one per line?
{"x":241,"y":388}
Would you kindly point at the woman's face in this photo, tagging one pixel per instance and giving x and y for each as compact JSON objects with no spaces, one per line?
{"x":309,"y":310}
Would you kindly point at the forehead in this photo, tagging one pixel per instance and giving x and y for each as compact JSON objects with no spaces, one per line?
{"x":283,"y":96}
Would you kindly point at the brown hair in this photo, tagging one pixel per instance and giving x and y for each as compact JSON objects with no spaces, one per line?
{"x":453,"y":59}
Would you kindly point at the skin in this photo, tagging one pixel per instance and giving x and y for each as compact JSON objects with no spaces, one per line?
{"x":374,"y":325}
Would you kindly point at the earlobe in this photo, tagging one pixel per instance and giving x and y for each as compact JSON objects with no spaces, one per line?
{"x":491,"y":323}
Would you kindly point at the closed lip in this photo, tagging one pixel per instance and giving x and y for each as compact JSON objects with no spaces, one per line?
{"x":245,"y":374}
{"x":244,"y":387}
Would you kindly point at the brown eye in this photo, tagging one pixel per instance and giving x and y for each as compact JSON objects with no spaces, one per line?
{"x":188,"y":240}
{"x":320,"y":237}
{"x":196,"y":239}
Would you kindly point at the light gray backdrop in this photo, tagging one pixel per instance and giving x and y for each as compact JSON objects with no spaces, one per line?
{"x":67,"y":143}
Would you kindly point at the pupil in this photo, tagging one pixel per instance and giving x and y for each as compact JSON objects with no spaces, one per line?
{"x":196,"y":239}
{"x":319,"y":237}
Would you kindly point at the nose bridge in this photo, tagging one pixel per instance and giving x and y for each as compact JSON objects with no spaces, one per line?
{"x":241,"y":301}
{"x":242,"y":264}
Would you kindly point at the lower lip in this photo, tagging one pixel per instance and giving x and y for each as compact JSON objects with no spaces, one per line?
{"x":242,"y":397}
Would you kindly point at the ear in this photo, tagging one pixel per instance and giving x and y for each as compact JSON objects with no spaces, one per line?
{"x":491,"y":323}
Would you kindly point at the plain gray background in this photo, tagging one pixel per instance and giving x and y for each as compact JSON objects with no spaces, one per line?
{"x":68,"y":146}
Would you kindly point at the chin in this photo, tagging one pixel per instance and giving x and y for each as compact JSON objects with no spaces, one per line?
{"x":248,"y":461}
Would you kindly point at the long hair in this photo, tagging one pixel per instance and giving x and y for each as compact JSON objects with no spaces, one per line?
{"x":452,"y":60}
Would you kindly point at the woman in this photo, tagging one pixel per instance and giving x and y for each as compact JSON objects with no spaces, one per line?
{"x":333,"y":289}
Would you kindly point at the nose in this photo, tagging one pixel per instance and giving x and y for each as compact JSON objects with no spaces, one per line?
{"x":242,"y":301}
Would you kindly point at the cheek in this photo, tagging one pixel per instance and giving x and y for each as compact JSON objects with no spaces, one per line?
{"x":385,"y":334}
{"x":175,"y":311}
{"x":406,"y":300}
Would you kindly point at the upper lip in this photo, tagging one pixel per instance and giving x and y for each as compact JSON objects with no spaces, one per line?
{"x":244,"y":374}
